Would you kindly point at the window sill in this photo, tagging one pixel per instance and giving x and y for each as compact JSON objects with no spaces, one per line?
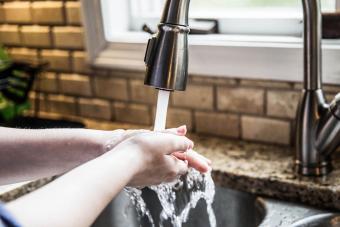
{"x":268,"y":58}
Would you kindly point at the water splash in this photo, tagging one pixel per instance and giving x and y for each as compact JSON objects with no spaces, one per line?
{"x":177,"y":198}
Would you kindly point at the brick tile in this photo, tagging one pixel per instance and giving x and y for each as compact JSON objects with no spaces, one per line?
{"x":111,"y":88}
{"x":2,"y":14}
{"x":36,"y":36}
{"x":142,"y":93}
{"x":48,"y":12}
{"x":330,"y":97}
{"x":68,"y":37}
{"x":331,"y":88}
{"x":17,"y":12}
{"x":196,"y":96}
{"x":95,"y":108}
{"x":9,"y":35}
{"x":283,"y":103}
{"x":178,"y":117}
{"x":243,"y":100}
{"x":73,"y":13}
{"x":24,"y":54}
{"x":48,"y":82}
{"x":132,"y":113}
{"x":211,"y":80}
{"x":218,"y":124}
{"x":265,"y":83}
{"x":61,"y":104}
{"x":37,"y":102}
{"x":75,"y":84}
{"x":298,"y":86}
{"x":58,"y":60}
{"x":265,"y":130}
{"x":79,"y":63}
{"x":127,"y":74}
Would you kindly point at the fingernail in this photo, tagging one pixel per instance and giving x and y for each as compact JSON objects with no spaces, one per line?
{"x":181,"y":129}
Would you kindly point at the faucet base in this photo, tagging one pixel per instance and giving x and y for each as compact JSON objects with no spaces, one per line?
{"x":313,"y":170}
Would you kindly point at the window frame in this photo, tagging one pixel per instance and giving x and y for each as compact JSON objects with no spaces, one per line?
{"x":219,"y":56}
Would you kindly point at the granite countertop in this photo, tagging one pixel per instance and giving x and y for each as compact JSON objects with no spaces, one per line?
{"x":267,"y":171}
{"x":260,"y":169}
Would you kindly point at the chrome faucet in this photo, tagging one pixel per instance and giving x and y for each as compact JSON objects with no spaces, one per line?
{"x":317,"y":123}
{"x":166,"y":55}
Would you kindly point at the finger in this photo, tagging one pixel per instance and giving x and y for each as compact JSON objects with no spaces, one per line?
{"x":181,"y":131}
{"x":195,"y":160}
{"x":170,"y":143}
{"x":182,"y":167}
{"x":192,"y":154}
{"x":204,"y":158}
{"x":175,"y":166}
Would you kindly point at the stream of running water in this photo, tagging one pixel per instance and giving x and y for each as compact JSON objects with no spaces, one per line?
{"x":177,"y":198}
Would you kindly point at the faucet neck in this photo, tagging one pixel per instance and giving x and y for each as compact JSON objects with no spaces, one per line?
{"x":312,"y":36}
{"x":176,"y":12}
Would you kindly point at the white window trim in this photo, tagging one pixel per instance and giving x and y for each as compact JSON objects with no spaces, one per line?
{"x":269,"y":59}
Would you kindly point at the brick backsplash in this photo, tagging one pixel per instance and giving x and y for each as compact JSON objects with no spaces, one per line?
{"x":254,"y":110}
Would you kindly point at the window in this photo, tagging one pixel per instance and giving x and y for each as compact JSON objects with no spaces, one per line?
{"x":246,"y":17}
{"x":259,"y":39}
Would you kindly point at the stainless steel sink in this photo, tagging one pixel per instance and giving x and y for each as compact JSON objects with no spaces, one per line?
{"x":232,"y":209}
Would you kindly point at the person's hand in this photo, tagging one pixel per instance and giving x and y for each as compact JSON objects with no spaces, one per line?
{"x":150,"y":154}
{"x":195,"y":160}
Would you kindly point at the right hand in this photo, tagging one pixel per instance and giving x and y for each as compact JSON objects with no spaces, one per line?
{"x":152,"y":159}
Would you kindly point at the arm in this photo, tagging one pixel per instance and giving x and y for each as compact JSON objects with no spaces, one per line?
{"x":28,"y":154}
{"x":79,"y":196}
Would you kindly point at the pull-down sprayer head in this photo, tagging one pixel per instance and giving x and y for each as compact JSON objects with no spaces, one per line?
{"x":166,"y":57}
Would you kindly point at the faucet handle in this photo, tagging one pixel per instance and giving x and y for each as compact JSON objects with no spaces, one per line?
{"x":150,"y":50}
{"x":147,"y":29}
{"x":335,"y":106}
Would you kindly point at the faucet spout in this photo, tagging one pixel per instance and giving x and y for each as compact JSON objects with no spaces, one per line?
{"x":166,"y":56}
{"x":312,"y":44}
{"x":176,"y":12}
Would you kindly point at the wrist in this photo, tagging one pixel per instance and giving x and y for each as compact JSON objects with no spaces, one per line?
{"x":104,"y":141}
{"x":128,"y":153}
{"x":125,"y":159}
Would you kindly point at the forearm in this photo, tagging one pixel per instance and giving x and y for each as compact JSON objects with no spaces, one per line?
{"x":79,"y":196}
{"x":32,"y":154}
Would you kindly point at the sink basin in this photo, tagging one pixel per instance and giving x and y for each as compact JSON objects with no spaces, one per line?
{"x":320,"y":220}
{"x":232,"y":209}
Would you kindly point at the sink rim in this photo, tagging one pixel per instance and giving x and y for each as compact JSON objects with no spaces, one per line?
{"x":315,"y":219}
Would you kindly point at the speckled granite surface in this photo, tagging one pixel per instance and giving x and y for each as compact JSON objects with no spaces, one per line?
{"x":260,"y":169}
{"x":267,"y":171}
{"x":15,"y":192}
